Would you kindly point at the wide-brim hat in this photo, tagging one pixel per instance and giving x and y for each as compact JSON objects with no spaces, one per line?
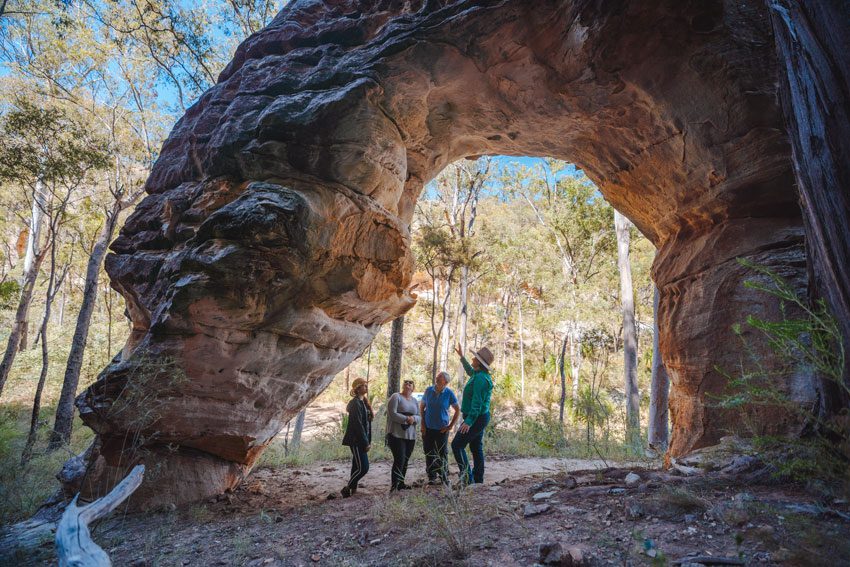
{"x":485,"y":357}
{"x":356,"y":384}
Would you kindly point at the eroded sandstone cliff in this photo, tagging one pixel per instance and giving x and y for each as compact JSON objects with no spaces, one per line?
{"x":274,"y":243}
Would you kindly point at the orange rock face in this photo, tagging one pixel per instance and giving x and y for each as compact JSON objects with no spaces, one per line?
{"x":274,"y":240}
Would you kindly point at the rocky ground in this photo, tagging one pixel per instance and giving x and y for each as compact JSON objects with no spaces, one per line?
{"x":558,"y":515}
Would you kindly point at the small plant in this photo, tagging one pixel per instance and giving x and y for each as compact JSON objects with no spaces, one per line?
{"x":447,"y":515}
{"x":592,"y":408}
{"x":451,"y":519}
{"x":821,"y":457}
{"x":9,"y":291}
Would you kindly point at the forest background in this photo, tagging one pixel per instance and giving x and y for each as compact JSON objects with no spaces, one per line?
{"x":516,"y":253}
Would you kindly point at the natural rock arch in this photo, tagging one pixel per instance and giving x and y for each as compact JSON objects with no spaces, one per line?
{"x":274,"y":243}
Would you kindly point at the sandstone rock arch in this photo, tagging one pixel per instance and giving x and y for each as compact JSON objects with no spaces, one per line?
{"x":273,"y":242}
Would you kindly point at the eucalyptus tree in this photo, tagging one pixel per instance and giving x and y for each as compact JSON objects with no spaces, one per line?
{"x":440,"y":255}
{"x":48,"y":154}
{"x":578,"y":225}
{"x":459,"y":190}
{"x":627,"y":300}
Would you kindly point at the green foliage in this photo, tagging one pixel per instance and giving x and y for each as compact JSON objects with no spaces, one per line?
{"x":592,"y":408}
{"x":441,"y":516}
{"x":438,"y":251}
{"x":815,"y":337}
{"x":24,"y":488}
{"x":9,"y":291}
{"x":812,"y":340}
{"x":47,"y":144}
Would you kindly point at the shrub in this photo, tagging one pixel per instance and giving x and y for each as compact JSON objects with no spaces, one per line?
{"x":821,"y":458}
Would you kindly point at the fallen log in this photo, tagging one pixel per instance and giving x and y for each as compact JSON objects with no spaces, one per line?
{"x":74,"y":545}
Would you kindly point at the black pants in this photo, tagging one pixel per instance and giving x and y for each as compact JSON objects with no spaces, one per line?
{"x":359,"y":466}
{"x":436,"y":449}
{"x":401,"y":449}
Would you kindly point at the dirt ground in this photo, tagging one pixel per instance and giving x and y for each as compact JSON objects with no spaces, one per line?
{"x":525,"y":508}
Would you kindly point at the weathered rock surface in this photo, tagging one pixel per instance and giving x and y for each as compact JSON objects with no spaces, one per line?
{"x":274,"y":241}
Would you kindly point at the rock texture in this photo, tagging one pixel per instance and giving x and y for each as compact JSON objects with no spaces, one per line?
{"x":274,"y":243}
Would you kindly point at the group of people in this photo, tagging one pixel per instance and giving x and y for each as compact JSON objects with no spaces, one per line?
{"x":430,"y":416}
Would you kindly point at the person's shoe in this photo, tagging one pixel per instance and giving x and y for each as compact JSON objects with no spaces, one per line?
{"x":405,"y":487}
{"x":346,"y":492}
{"x":353,"y":490}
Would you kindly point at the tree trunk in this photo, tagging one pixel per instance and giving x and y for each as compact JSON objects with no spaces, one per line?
{"x":463,"y":292}
{"x":463,"y":314}
{"x":503,"y":360}
{"x":45,"y":359}
{"x":812,"y":41}
{"x":446,"y":332}
{"x":19,"y":325}
{"x":627,"y":300}
{"x":437,"y":332}
{"x":62,"y":304}
{"x":561,"y":363}
{"x":575,"y":357}
{"x":396,"y":350}
{"x":435,"y":290}
{"x":65,"y":407}
{"x":347,"y":379}
{"x":368,"y":363}
{"x":659,"y":390}
{"x":299,"y":429}
{"x":74,"y":545}
{"x":32,"y":253}
{"x":521,"y":354}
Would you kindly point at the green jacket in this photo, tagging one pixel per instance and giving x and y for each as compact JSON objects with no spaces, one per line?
{"x":476,"y":393}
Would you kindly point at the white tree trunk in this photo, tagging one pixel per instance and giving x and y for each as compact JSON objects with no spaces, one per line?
{"x":659,"y":390}
{"x":32,"y":252}
{"x":74,"y":545}
{"x":621,"y":225}
{"x":33,"y":240}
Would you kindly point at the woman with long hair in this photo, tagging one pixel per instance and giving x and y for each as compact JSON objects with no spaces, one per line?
{"x":358,"y":434}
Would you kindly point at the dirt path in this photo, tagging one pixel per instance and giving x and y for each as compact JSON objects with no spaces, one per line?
{"x":269,"y":521}
{"x":293,"y":487}
{"x":281,"y":518}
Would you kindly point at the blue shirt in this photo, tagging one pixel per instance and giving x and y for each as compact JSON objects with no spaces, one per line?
{"x":437,"y":406}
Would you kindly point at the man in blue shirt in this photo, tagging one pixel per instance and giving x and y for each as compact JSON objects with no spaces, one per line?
{"x":434,"y":408}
